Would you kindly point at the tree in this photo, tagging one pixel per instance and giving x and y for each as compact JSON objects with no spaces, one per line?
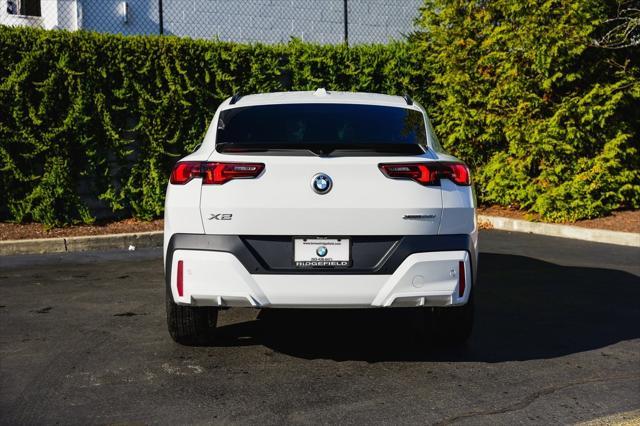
{"x":547,"y":118}
{"x":623,"y":29}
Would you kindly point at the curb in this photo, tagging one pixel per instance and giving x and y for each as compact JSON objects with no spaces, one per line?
{"x":83,"y":243}
{"x":154,"y":238}
{"x":563,"y":231}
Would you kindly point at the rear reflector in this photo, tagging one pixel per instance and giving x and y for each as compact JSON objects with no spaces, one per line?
{"x":428,"y":174}
{"x":213,"y":173}
{"x":462,"y":279}
{"x":180,"y":278}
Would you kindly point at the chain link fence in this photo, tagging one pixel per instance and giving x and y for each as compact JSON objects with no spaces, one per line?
{"x":265,"y":21}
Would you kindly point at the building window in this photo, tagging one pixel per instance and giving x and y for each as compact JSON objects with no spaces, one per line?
{"x":24,"y":7}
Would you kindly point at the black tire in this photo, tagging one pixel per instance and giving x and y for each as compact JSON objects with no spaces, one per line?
{"x":452,"y":325}
{"x":191,"y":325}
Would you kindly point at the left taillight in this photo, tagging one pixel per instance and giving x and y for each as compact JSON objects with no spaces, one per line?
{"x":428,"y":173}
{"x":185,"y":171}
{"x":213,"y":173}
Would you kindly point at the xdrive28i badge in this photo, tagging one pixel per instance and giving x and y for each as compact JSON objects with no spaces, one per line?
{"x":321,"y":183}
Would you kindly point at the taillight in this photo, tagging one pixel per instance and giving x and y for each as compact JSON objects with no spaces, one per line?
{"x":457,"y":173}
{"x":219,"y":173}
{"x":184,"y":172}
{"x":213,"y":173}
{"x":421,"y":172}
{"x":428,"y":173}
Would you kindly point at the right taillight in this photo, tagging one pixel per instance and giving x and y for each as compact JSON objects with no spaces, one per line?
{"x":213,"y":173}
{"x":428,"y":173}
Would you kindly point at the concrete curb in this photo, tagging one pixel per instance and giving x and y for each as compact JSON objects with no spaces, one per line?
{"x":563,"y":231}
{"x":154,"y":238}
{"x":83,"y":243}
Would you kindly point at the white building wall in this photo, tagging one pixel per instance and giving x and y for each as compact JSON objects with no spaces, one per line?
{"x":67,"y":13}
{"x":140,"y":16}
{"x":55,"y":14}
{"x":272,"y":21}
{"x":267,"y":21}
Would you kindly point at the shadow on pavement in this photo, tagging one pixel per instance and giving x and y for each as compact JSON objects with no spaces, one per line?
{"x":525,"y":309}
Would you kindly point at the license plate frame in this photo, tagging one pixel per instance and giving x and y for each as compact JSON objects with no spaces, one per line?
{"x":306,"y":256}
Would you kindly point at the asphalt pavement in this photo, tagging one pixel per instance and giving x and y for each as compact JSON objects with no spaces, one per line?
{"x":83,"y":340}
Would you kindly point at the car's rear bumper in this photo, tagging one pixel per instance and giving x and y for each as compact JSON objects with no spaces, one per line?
{"x":399,"y":271}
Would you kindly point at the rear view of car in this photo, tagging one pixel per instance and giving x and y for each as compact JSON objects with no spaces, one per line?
{"x":319,"y":200}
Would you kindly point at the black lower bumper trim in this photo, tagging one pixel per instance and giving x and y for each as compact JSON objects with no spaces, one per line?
{"x":274,"y":254}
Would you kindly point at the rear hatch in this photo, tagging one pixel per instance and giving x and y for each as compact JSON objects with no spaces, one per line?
{"x":279,"y":151}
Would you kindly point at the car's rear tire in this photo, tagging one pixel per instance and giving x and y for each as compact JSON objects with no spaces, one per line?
{"x":191,"y":325}
{"x":451,"y":325}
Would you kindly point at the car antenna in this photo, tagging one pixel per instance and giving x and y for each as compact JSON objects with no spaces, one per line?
{"x":235,"y":98}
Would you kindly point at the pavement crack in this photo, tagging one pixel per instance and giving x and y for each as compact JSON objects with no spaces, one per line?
{"x":530,"y":399}
{"x":129,"y":314}
{"x":43,"y":310}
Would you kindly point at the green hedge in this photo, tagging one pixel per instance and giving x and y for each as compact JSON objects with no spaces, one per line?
{"x":548,"y":115}
{"x":92,"y":123}
{"x":89,"y":116}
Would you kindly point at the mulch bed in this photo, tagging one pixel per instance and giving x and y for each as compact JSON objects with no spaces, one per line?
{"x":13,"y":231}
{"x":625,"y":221}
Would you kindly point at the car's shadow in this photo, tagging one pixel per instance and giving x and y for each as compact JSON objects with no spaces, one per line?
{"x":525,"y":309}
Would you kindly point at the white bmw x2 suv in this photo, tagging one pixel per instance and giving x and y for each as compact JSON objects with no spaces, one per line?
{"x":319,"y":200}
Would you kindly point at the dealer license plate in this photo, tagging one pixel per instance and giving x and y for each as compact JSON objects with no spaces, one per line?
{"x":322,"y":252}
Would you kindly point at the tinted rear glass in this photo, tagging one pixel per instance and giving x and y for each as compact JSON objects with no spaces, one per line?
{"x":313,"y":124}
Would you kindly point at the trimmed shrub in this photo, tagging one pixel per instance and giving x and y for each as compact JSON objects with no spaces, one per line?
{"x":547,"y":116}
{"x":92,"y":123}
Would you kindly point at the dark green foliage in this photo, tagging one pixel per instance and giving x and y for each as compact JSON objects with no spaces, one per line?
{"x":549,"y":121}
{"x":94,"y":121}
{"x":549,"y":118}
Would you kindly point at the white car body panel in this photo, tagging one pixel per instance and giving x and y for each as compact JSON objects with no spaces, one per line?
{"x":423,"y":279}
{"x":284,"y":204}
{"x":281,"y":202}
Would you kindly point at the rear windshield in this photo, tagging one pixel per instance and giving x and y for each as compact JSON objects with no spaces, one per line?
{"x":338,"y":125}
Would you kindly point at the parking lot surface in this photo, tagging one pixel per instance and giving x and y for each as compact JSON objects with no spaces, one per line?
{"x":83,"y":340}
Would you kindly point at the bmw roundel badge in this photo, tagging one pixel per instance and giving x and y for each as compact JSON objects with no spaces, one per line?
{"x":321,"y":183}
{"x":322,"y":251}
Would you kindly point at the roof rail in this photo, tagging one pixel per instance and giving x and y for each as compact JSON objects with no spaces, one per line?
{"x":235,"y":98}
{"x":408,"y":99}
